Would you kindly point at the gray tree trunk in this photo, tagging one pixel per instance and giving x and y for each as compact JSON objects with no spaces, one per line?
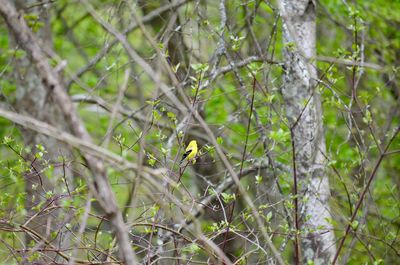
{"x":33,"y":99}
{"x":304,"y":113}
{"x":101,"y":188}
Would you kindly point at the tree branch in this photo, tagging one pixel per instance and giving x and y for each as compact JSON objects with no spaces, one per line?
{"x":102,"y":189}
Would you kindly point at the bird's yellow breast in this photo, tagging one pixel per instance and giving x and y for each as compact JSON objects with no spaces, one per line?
{"x":192,"y":146}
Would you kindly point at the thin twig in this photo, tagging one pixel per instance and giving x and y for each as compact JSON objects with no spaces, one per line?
{"x":116,"y":107}
{"x":362,"y":195}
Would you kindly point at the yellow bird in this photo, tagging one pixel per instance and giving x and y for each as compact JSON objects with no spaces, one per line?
{"x":190,"y":153}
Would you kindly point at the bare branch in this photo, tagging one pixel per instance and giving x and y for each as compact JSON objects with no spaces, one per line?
{"x":347,"y":62}
{"x":27,"y":40}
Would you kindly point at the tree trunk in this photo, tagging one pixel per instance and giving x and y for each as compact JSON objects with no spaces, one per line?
{"x":33,"y":99}
{"x":304,"y":113}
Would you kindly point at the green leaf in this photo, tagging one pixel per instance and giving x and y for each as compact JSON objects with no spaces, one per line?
{"x":268,"y":217}
{"x":280,"y":135}
{"x":258,"y":179}
{"x":355,"y":224}
{"x":199,"y":67}
{"x":227,"y":198}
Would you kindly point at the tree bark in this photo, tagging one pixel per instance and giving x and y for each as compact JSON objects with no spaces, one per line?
{"x":50,"y":79}
{"x":304,"y":112}
{"x":33,"y":99}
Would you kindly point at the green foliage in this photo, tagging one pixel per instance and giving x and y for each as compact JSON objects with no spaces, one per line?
{"x":148,"y":125}
{"x":216,"y":107}
{"x":227,"y":198}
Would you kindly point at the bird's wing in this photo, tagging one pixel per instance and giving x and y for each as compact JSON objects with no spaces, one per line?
{"x":186,"y":154}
